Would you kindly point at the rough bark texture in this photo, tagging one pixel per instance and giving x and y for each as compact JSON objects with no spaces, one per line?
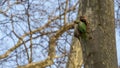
{"x":100,"y":50}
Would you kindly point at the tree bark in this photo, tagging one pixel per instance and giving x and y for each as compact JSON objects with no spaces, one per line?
{"x":100,"y":48}
{"x":75,"y":58}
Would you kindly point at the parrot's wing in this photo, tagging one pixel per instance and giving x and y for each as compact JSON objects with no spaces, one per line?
{"x":82,"y":27}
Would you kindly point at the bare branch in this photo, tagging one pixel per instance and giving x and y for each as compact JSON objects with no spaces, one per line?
{"x":52,"y":53}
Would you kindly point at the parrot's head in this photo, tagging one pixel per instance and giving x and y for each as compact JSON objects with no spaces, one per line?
{"x":83,"y":19}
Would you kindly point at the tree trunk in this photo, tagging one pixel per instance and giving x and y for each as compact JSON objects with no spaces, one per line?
{"x":100,"y":48}
{"x":75,"y":58}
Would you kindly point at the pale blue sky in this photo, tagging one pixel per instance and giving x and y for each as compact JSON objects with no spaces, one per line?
{"x":118,"y":43}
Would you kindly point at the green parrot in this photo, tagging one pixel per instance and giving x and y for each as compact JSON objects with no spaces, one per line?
{"x":82,"y":27}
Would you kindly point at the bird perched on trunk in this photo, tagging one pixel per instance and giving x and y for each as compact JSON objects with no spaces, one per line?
{"x":81,"y":27}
